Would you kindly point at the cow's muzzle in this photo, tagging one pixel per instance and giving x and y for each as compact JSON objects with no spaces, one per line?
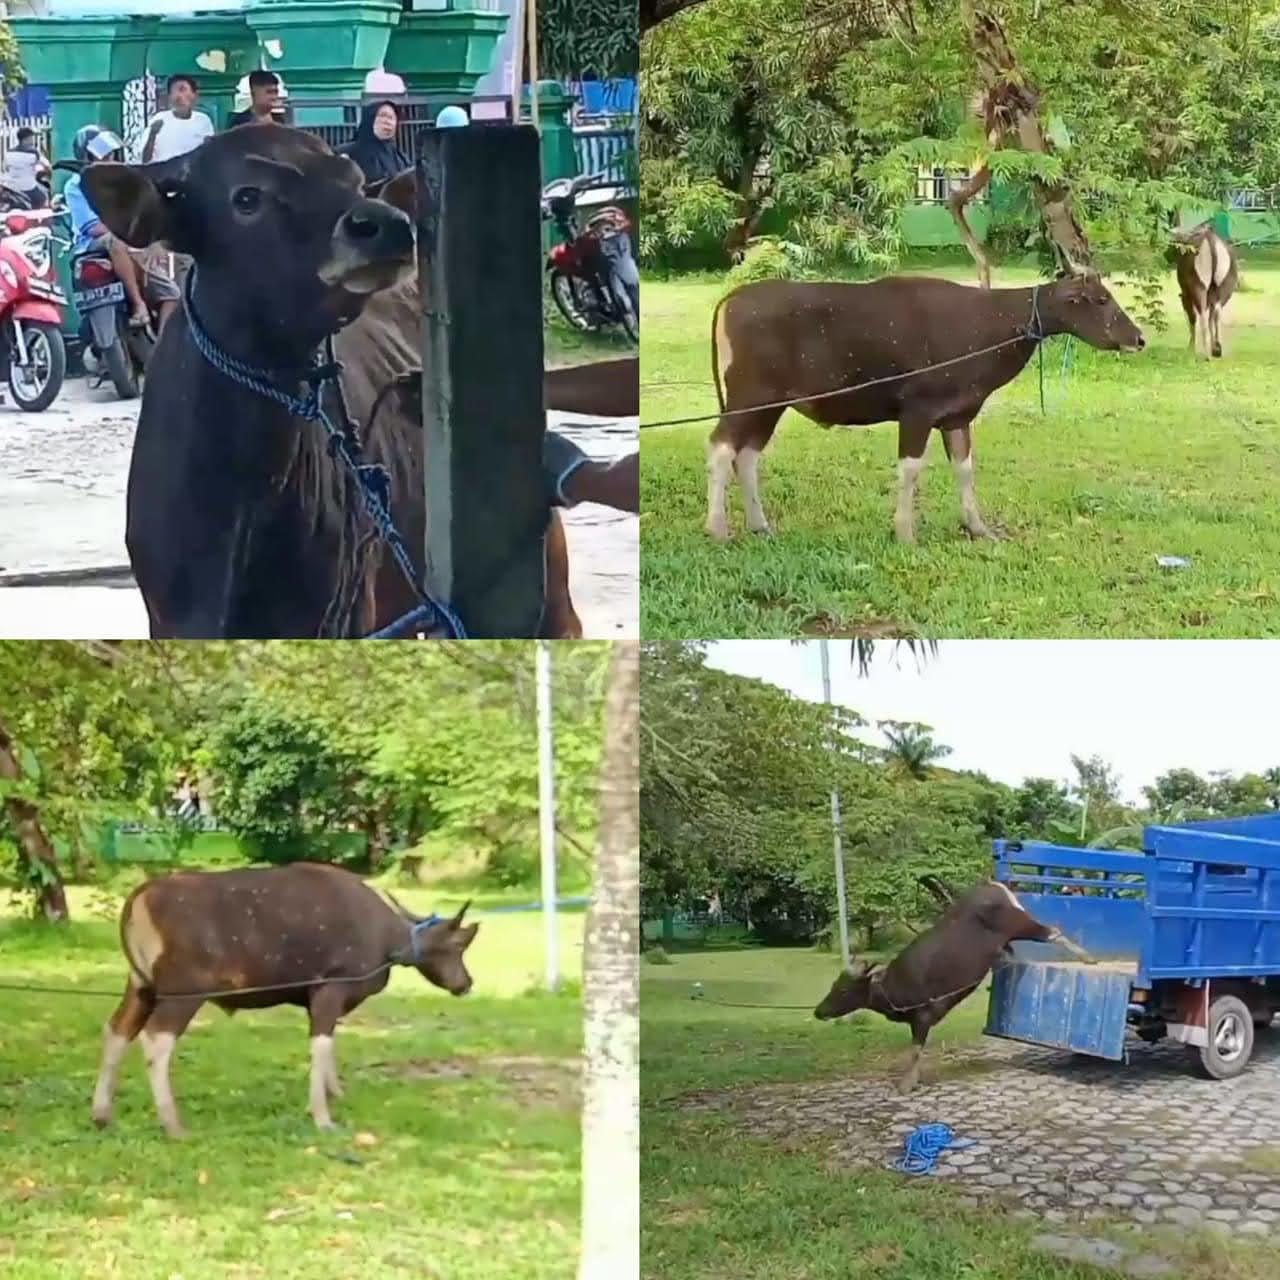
{"x":371,"y":248}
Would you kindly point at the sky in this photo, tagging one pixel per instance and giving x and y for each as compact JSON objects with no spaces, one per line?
{"x":1020,"y":708}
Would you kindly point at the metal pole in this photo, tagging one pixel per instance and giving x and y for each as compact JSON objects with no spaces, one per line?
{"x":531,"y":13}
{"x":547,"y":812}
{"x":517,"y":62}
{"x":837,"y":847}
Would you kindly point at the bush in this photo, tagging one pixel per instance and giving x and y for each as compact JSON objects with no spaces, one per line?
{"x":770,"y":258}
{"x":657,"y":955}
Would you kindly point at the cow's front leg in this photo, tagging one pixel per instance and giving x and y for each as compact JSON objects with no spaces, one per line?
{"x":959,"y":446}
{"x":919,"y":1034}
{"x":747,"y":465}
{"x":720,"y":456}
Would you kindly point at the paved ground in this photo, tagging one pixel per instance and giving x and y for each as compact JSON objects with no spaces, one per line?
{"x":62,"y":485}
{"x":1061,"y":1138}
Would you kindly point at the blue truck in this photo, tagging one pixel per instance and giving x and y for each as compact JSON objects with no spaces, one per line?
{"x":1186,"y":935}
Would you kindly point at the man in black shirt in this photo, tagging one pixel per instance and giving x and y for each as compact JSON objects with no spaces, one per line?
{"x":264,"y":101}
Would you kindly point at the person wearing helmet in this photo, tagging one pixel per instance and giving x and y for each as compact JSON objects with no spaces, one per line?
{"x":92,"y":145}
{"x":452,"y":118}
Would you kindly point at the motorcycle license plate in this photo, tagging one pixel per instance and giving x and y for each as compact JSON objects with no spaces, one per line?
{"x":103,"y":293}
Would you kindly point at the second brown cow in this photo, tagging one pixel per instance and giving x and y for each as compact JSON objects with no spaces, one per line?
{"x":305,"y":934}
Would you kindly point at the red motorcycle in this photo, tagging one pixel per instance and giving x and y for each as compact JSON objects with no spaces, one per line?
{"x":593,"y":274}
{"x":33,"y":356}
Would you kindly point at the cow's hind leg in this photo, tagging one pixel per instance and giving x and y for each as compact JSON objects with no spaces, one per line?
{"x":1215,"y":330}
{"x":913,"y":440}
{"x":119,"y":1033}
{"x":736,"y":445}
{"x":959,"y":445}
{"x":325,"y":1008}
{"x":159,"y":1036}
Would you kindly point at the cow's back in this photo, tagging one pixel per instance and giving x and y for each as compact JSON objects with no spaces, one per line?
{"x":785,"y":340}
{"x":960,"y":948}
{"x":227,"y":930}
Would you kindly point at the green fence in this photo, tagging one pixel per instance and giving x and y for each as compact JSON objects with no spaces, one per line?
{"x":129,"y":844}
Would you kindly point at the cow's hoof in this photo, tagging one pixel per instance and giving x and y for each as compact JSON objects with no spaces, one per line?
{"x":102,"y":1119}
{"x":326,"y":1126}
{"x":1217,"y":353}
{"x":763,"y":532}
{"x":718,"y":533}
{"x":907,"y":1085}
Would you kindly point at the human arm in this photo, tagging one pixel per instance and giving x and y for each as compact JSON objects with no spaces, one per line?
{"x":153,"y":133}
{"x":84,"y":218}
{"x":573,"y":477}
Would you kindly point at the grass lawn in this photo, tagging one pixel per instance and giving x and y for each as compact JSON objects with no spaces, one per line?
{"x":458,"y":1154}
{"x":1138,"y":457}
{"x":720,"y":1205}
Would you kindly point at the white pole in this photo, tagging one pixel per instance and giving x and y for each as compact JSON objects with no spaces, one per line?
{"x":531,"y":16}
{"x":838,"y":848}
{"x":547,"y":812}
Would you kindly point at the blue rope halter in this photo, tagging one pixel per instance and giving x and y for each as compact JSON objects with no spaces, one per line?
{"x":344,"y":446}
{"x":416,"y":930}
{"x":1034,"y":332}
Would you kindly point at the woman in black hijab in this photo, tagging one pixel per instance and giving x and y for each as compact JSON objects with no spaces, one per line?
{"x":374,"y":148}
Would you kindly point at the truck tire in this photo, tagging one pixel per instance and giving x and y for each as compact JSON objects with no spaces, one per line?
{"x":1230,"y":1039}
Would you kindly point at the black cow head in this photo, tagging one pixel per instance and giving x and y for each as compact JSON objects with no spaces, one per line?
{"x":438,"y":948}
{"x":1084,"y":306}
{"x":286,"y":246}
{"x":851,"y":990}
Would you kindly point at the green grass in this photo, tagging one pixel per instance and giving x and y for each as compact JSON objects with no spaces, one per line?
{"x":462,"y":1115}
{"x":718,"y":1204}
{"x":567,"y":345}
{"x":1138,"y":457}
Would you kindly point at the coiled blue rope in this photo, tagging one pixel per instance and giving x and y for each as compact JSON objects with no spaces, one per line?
{"x":924,"y":1144}
{"x":372,"y":480}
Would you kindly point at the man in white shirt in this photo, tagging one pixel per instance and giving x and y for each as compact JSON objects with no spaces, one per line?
{"x":180,"y":129}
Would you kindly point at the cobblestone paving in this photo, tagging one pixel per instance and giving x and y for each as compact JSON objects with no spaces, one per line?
{"x":1062,"y":1138}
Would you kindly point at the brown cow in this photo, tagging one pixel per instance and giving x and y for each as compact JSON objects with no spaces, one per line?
{"x":1208,"y":273}
{"x":933,"y":974}
{"x":783,"y":340}
{"x":268,"y":934}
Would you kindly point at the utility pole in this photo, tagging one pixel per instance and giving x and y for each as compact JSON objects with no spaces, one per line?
{"x":547,"y":813}
{"x":836,"y":843}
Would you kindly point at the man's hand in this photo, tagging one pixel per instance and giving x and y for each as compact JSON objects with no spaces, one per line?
{"x":572,"y":476}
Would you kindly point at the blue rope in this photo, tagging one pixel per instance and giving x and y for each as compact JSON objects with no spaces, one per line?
{"x":1035,"y":332}
{"x":924,"y":1144}
{"x":373,"y":480}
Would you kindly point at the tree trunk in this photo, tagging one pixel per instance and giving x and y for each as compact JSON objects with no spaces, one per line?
{"x":957,"y":201}
{"x":34,"y":848}
{"x":1011,"y":112}
{"x":611,"y":978}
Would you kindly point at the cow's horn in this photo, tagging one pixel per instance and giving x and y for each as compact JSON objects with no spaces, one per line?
{"x":457,"y":920}
{"x":858,"y":969}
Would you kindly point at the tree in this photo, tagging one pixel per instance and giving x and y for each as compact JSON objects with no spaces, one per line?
{"x":611,"y":1026}
{"x":912,"y":748}
{"x":37,"y":859}
{"x":588,"y":39}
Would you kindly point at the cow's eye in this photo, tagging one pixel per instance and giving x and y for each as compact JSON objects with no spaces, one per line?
{"x":246,"y":199}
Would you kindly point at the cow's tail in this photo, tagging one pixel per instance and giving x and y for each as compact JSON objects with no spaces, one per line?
{"x":715,"y":351}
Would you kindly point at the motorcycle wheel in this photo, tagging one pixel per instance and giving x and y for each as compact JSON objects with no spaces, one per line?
{"x":566,"y":299}
{"x":35,"y":386}
{"x":120,"y":369}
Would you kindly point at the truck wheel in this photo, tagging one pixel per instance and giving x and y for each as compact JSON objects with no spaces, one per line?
{"x":1230,"y":1039}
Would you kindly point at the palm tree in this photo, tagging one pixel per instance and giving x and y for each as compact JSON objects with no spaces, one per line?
{"x":862,"y":651}
{"x":912,"y":748}
{"x":611,"y":990}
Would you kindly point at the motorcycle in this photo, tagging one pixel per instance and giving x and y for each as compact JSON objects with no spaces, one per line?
{"x":111,"y":346}
{"x":33,"y":355}
{"x":593,"y":274}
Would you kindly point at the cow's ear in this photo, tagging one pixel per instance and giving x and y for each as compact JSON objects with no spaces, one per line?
{"x":858,"y":969}
{"x":139,"y":202}
{"x":402,"y":192}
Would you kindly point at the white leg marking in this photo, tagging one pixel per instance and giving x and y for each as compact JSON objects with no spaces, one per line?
{"x":912,"y":1077}
{"x":332,"y":1083}
{"x":719,"y":469}
{"x":1202,"y":332}
{"x":904,"y":517}
{"x":114,"y":1048}
{"x":747,"y":464}
{"x":322,"y":1064}
{"x":963,"y":468}
{"x":157,"y":1048}
{"x":1215,"y":327}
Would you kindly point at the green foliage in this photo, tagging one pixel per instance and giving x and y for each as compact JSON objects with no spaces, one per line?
{"x":771,"y":258}
{"x":588,"y":39}
{"x":12,"y":76}
{"x":817,"y":123}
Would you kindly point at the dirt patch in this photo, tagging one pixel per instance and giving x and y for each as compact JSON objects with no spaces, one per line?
{"x":826,"y":626}
{"x":552,"y":1082}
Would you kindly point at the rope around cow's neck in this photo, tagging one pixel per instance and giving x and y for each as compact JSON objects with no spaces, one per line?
{"x":372,"y":480}
{"x":1033,"y":332}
